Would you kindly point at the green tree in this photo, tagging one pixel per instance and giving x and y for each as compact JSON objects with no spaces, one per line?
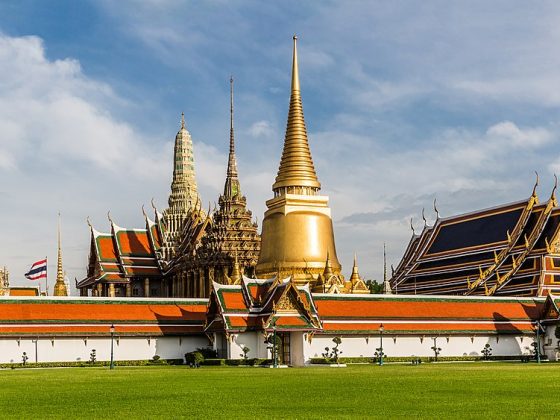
{"x":487,"y":351}
{"x":374,"y":287}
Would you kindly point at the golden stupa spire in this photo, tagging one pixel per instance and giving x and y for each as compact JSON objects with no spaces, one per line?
{"x":59,"y":287}
{"x":296,"y":173}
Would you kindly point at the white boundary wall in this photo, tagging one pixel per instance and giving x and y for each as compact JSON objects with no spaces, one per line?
{"x":405,"y":346}
{"x":78,"y":349}
{"x":393,"y":346}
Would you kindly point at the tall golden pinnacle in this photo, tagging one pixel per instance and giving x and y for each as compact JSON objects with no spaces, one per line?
{"x":60,"y":288}
{"x":296,"y":166}
{"x":297,"y":228}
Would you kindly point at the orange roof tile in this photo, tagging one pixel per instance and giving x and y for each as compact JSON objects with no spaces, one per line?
{"x":134,"y":242}
{"x":344,"y":307}
{"x":24,"y":291}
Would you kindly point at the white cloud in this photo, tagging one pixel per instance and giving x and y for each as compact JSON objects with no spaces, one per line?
{"x":261,"y":129}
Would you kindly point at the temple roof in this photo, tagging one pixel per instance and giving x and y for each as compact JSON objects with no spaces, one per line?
{"x":490,"y":251}
{"x":68,"y":316}
{"x":123,"y":253}
{"x":261,"y":304}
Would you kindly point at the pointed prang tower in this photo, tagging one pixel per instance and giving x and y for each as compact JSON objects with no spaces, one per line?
{"x":60,"y":288}
{"x":184,"y":193}
{"x":297,"y":228}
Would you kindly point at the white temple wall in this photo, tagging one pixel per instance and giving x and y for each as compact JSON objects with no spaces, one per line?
{"x":406,"y":346}
{"x":550,"y":343}
{"x":253,"y":340}
{"x":79,"y":349}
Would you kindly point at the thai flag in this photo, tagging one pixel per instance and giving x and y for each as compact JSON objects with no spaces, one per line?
{"x":38,"y":270}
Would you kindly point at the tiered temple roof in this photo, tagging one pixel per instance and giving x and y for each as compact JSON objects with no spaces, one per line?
{"x":65,"y":316}
{"x":509,"y":250}
{"x":257,"y":304}
{"x":264,"y":304}
{"x":122,"y":254}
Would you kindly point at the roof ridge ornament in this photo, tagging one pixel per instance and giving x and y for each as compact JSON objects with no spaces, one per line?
{"x":436,"y":209}
{"x":412,"y":227}
{"x":424,"y":218}
{"x":536,"y":185}
{"x":553,"y":194}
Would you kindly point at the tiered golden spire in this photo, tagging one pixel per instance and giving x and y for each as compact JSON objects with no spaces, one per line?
{"x":355,"y":276}
{"x":296,"y":166}
{"x":232,"y":186}
{"x":60,"y":288}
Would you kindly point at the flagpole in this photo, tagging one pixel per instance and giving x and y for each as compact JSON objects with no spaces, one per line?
{"x":47,"y":277}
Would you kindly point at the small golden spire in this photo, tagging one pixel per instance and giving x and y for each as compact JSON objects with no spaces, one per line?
{"x":235,"y":277}
{"x":182,"y":120}
{"x":355,"y":276}
{"x":296,"y":165}
{"x":59,"y":287}
{"x":328,"y":272}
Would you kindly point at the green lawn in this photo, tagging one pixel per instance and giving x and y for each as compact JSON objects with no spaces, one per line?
{"x":429,"y":390}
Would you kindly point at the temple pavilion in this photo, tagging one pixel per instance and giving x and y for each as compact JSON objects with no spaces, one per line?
{"x":508,"y":250}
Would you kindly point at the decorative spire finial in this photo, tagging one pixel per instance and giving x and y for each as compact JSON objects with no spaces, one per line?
{"x":436,"y":209}
{"x":424,"y":217}
{"x":182,"y":120}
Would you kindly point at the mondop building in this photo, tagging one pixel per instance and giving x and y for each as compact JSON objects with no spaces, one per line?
{"x":205,"y":279}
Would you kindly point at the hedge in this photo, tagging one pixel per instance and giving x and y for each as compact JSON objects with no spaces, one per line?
{"x":94,"y":364}
{"x":349,"y":360}
{"x":236,"y":362}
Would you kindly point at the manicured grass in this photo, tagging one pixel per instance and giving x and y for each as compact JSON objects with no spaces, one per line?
{"x":479,"y":390}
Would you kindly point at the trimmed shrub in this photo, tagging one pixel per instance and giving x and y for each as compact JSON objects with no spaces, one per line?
{"x":194,"y":358}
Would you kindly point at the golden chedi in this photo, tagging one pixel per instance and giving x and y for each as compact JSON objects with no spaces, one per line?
{"x":297,"y":231}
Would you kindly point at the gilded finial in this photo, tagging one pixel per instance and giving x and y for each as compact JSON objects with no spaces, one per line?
{"x":553,"y":194}
{"x":412,"y":227}
{"x":182,"y":120}
{"x":424,"y":218}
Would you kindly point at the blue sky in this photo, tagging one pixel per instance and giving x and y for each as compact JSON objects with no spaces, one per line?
{"x":404,"y":102}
